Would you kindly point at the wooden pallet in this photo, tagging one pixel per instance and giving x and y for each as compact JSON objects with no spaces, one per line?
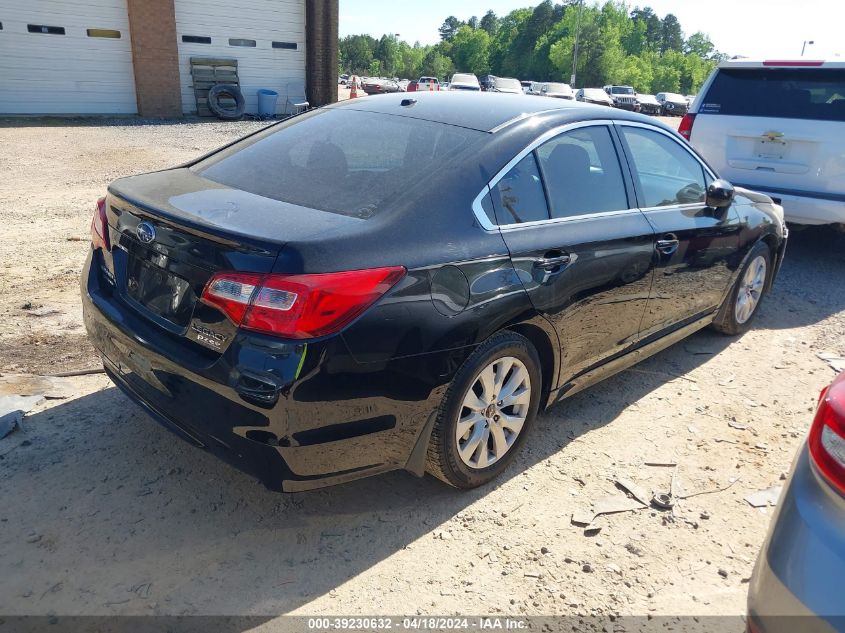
{"x":210,"y":71}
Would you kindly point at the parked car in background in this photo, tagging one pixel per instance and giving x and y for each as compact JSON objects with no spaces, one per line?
{"x":431,"y":84}
{"x":648,"y":104}
{"x":444,"y":85}
{"x":802,"y":562}
{"x":326,"y":330}
{"x":526,"y":86}
{"x":624,"y":97}
{"x":343,"y":80}
{"x":464,"y":81}
{"x":672,"y":104}
{"x":507,"y":85}
{"x":404,"y":83}
{"x":690,"y":99}
{"x":412,"y":86}
{"x":375,"y":86}
{"x":778,"y":127}
{"x":487,"y":81}
{"x":557,"y":90}
{"x":596,"y":96}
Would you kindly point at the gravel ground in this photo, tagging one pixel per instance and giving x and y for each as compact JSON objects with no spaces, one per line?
{"x":104,"y":513}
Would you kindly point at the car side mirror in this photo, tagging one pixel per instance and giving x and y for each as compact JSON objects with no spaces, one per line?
{"x":720,"y":194}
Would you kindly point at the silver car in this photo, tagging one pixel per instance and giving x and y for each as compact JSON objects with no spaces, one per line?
{"x":801,"y":567}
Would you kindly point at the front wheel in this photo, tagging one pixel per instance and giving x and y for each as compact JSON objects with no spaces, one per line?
{"x":486,"y":413}
{"x":740,"y":307}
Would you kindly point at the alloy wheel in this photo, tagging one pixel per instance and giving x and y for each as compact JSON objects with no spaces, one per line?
{"x":750,"y":289}
{"x":493,"y":412}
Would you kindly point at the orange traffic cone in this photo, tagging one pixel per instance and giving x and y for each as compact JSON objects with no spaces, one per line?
{"x":431,"y":86}
{"x":353,"y":93}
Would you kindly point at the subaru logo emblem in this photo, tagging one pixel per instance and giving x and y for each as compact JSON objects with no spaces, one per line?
{"x":146,"y":232}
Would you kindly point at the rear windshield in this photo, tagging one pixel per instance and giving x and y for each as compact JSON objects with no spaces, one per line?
{"x":788,"y":93}
{"x":343,"y":161}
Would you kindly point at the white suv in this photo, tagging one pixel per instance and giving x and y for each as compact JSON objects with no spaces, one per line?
{"x":777,"y":127}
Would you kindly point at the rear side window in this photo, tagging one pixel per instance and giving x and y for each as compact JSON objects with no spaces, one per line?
{"x":582,"y":173}
{"x":519,"y":197}
{"x":342,"y":161}
{"x":788,"y":93}
{"x":667,"y":173}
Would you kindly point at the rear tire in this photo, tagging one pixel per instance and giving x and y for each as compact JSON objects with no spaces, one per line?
{"x":494,"y":398}
{"x":743,"y":301}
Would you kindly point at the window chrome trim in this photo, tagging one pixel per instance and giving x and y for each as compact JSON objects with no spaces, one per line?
{"x":480,"y":213}
{"x":478,"y":210}
{"x":679,"y":141}
{"x":570,"y":218}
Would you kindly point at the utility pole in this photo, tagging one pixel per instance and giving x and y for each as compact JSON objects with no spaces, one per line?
{"x":575,"y":51}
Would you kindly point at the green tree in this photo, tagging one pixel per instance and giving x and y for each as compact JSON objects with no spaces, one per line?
{"x":616,"y":45}
{"x":653,"y":27}
{"x":489,"y":23}
{"x":388,"y":52}
{"x":470,"y":50}
{"x":356,"y":53}
{"x":673,"y":37}
{"x":435,"y":64}
{"x":699,"y":44}
{"x":449,"y":28}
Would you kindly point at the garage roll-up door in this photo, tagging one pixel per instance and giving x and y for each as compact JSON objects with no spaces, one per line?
{"x":60,"y":57}
{"x":267,"y":37}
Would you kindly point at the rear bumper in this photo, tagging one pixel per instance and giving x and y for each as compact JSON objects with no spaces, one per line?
{"x":796,"y":583}
{"x":331,"y":419}
{"x":806,"y":208}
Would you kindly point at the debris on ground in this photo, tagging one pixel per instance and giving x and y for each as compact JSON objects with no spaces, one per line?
{"x":41,"y":312}
{"x":638,"y":493}
{"x":663,"y":501}
{"x":12,"y":410}
{"x":835,"y":361}
{"x":764,"y":498}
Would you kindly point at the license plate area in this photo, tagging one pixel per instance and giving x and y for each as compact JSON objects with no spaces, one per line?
{"x":766,"y":149}
{"x":163,"y":293}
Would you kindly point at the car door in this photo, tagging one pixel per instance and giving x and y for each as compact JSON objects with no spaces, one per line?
{"x":694,"y":243}
{"x":582,"y":249}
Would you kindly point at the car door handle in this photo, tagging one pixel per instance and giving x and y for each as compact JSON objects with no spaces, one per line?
{"x":552,"y":261}
{"x":668,"y":245}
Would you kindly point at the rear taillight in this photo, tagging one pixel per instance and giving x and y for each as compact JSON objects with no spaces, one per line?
{"x":827,"y":435}
{"x":299,"y":306}
{"x":685,"y":128}
{"x":100,"y":227}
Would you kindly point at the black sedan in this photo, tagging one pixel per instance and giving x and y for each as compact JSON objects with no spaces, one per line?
{"x":402,"y":283}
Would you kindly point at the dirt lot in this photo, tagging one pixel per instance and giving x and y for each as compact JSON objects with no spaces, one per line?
{"x":104,"y":513}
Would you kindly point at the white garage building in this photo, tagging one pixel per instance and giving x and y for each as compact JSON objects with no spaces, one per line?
{"x":134,"y":56}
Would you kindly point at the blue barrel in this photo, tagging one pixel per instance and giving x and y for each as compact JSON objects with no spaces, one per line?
{"x":267,"y":102}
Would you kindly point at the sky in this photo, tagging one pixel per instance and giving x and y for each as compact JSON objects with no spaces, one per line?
{"x":755,"y":28}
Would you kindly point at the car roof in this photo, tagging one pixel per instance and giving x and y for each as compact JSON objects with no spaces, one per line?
{"x":485,"y":112}
{"x":783,"y":63}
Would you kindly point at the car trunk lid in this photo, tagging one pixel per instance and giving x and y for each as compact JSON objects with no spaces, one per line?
{"x":173,"y":230}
